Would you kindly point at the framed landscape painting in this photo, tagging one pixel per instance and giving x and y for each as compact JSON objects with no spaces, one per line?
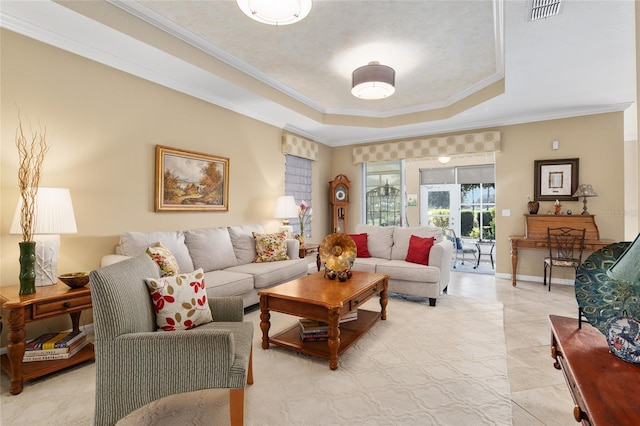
{"x":555,"y":179}
{"x":190,"y":181}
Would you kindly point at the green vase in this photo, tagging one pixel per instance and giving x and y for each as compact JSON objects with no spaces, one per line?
{"x":27,"y":267}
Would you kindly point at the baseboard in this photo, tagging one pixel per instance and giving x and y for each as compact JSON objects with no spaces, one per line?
{"x":536,"y":279}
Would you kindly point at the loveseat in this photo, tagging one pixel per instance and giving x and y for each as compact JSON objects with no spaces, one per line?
{"x":388,"y":248}
{"x":226,"y":255}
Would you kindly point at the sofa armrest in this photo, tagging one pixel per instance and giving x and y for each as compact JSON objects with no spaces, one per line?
{"x":293,"y":248}
{"x":440,"y":256}
{"x":110,"y":259}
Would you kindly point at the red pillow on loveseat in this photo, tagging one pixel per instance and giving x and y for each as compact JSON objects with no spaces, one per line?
{"x":419,"y":249}
{"x":361,"y":244}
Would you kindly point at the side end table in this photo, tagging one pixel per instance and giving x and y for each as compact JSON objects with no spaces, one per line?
{"x":46,"y":302}
{"x":307,"y":249}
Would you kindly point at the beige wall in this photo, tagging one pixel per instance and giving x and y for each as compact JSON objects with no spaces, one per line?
{"x":597,"y":140}
{"x":103,"y":126}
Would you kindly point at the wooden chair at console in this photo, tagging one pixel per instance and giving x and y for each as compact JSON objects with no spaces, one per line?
{"x":566,"y":246}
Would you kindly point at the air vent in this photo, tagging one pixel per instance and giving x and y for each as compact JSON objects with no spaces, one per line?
{"x":542,"y":9}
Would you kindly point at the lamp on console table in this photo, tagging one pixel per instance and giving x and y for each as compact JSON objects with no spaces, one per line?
{"x":585,"y":190}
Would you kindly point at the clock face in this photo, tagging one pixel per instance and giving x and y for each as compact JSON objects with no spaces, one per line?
{"x":341,"y":193}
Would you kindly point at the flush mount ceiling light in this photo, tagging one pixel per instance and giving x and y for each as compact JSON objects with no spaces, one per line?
{"x":373,"y":81}
{"x":282,"y":12}
{"x":444,"y":159}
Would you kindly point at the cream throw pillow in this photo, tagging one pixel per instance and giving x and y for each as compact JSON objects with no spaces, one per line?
{"x":180,"y":301}
{"x":165,"y":260}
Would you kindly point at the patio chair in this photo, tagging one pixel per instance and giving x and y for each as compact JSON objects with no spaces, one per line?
{"x":459,"y":247}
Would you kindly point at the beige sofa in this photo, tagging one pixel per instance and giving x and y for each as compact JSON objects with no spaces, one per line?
{"x":388,"y":247}
{"x":225,"y":254}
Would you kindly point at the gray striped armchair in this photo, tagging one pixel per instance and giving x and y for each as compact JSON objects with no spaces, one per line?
{"x":135,"y":364}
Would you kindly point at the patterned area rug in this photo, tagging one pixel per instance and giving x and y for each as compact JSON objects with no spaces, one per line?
{"x":422,"y":366}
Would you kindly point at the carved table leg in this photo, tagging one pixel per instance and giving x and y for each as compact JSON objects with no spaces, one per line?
{"x":15,"y":349}
{"x":334,"y":338}
{"x":264,"y":322}
{"x":514,"y":262}
{"x":75,"y":320}
{"x":384,"y":298}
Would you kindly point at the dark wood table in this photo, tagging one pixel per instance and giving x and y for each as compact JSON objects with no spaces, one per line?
{"x":603,"y":386}
{"x":318,"y":298}
{"x":46,"y":302}
{"x":309,"y":248}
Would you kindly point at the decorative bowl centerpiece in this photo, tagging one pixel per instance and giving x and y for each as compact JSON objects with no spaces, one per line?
{"x":75,"y":279}
{"x":337,"y":253}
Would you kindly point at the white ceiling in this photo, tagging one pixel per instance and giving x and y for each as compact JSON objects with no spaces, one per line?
{"x":459,"y":64}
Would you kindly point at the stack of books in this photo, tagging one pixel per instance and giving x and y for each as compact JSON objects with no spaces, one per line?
{"x":50,"y":346}
{"x":314,"y":331}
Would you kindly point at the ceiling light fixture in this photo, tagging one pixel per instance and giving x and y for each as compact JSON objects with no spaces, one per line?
{"x":282,"y":12}
{"x":444,"y":159}
{"x":373,"y":81}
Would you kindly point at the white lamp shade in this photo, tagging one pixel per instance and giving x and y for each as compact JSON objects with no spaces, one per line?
{"x":286,"y":207}
{"x":53,"y":213}
{"x":281,"y":12}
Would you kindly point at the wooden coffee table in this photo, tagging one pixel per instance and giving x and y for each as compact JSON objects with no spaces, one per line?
{"x":318,"y":298}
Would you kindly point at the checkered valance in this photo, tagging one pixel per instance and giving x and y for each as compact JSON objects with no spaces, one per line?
{"x":467,"y":143}
{"x":299,"y":146}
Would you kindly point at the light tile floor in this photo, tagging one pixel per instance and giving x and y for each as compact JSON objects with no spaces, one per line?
{"x":539,"y":394}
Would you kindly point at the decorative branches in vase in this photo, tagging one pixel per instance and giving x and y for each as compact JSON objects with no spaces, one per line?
{"x":31,"y":153}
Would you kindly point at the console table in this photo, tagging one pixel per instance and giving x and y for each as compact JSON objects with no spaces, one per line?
{"x":603,"y":386}
{"x":46,"y":302}
{"x":535,"y":235}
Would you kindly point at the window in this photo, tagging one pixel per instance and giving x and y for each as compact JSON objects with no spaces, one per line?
{"x":297,"y":182}
{"x":383,"y":193}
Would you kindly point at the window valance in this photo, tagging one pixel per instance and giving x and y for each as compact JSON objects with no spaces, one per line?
{"x":299,"y":146}
{"x":467,"y":143}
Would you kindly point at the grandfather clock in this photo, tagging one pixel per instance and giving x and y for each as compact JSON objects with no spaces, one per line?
{"x":339,"y":199}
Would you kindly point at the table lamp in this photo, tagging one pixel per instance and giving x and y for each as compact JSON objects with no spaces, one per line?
{"x":585,"y":190}
{"x":286,"y":208}
{"x":53,"y":215}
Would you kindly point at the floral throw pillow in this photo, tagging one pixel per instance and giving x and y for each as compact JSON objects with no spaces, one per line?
{"x":163,"y":257}
{"x":180,"y":301}
{"x":270,"y":247}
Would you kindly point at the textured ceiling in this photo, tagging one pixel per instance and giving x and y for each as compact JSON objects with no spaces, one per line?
{"x":460,"y":64}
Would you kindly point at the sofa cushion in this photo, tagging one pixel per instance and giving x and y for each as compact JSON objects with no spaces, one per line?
{"x":136,"y":243}
{"x":366,"y":264}
{"x":244,"y":245}
{"x":362,"y":250}
{"x":180,"y":301}
{"x":419,"y":249}
{"x":210,"y":248}
{"x":165,"y":260}
{"x":379,"y":240}
{"x":272,"y":273}
{"x":405,"y":271}
{"x":222,"y":283}
{"x":270,"y":247}
{"x":401,"y":237}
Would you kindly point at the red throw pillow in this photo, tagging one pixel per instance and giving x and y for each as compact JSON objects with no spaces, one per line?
{"x":361,"y":244}
{"x":419,"y":249}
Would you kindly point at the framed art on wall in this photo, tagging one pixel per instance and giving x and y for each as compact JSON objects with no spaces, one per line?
{"x":190,"y":181}
{"x":555,"y":179}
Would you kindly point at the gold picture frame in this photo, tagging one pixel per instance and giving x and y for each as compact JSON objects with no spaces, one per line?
{"x":556,"y":179}
{"x":190,"y":181}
